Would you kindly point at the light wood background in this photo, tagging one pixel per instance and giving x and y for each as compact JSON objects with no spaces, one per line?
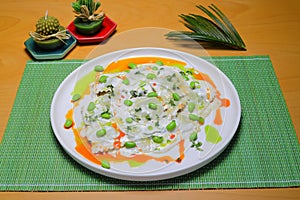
{"x":268,"y":27}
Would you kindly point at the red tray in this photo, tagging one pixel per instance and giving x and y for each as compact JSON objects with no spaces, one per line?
{"x":108,"y":27}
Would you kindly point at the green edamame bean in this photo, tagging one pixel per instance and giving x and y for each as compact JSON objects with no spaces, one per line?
{"x":68,"y":123}
{"x":158,"y":139}
{"x":194,"y":117}
{"x":152,"y":106}
{"x":130,"y":144}
{"x":76,"y":97}
{"x":159,"y":63}
{"x":98,"y":68}
{"x":105,"y":115}
{"x":150,"y":128}
{"x":101,"y":132}
{"x":186,"y":77}
{"x":151,"y":76}
{"x":132,"y":65}
{"x":105,"y":164}
{"x":176,"y":97}
{"x":91,"y":106}
{"x":193,"y":85}
{"x":193,"y":137}
{"x":128,"y":102}
{"x":103,"y":79}
{"x":171,"y":126}
{"x":152,"y":94}
{"x":191,"y":106}
{"x":129,"y":120}
{"x":125,"y":81}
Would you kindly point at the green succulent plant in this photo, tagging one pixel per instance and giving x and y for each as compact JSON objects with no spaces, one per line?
{"x":90,"y":4}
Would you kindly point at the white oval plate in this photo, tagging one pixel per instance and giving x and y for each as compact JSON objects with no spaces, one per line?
{"x":151,"y":170}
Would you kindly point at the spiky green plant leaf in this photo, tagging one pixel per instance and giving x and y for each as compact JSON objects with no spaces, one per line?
{"x":216,"y":29}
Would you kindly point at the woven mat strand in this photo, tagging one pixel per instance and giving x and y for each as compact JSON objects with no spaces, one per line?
{"x":264,"y":152}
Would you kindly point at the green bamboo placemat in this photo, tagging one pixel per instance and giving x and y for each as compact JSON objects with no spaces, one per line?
{"x":264,"y":152}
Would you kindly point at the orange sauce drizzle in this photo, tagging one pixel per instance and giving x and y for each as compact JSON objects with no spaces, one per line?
{"x":82,"y":148}
{"x":204,"y":77}
{"x":141,"y":158}
{"x":117,"y":142}
{"x":218,"y":117}
{"x":81,"y":143}
{"x":225,"y":102}
{"x":181,"y":151}
{"x":122,"y":65}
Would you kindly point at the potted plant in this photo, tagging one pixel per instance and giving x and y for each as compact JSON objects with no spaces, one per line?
{"x":88,"y":21}
{"x":49,"y":33}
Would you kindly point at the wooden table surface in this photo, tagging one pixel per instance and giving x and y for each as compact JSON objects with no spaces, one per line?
{"x":269,"y":27}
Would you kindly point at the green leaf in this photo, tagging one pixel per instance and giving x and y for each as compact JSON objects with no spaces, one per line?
{"x":76,"y":6}
{"x":97,"y":5}
{"x":217,"y":29}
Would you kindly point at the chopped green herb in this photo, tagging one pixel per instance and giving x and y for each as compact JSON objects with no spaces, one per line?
{"x":188,"y":72}
{"x":148,"y":117}
{"x":138,"y":109}
{"x":193,"y":137}
{"x":171,"y":102}
{"x":142,"y":83}
{"x":133,"y":93}
{"x":201,"y":120}
{"x":125,"y":81}
{"x":184,"y":76}
{"x":129,"y":120}
{"x":154,"y":68}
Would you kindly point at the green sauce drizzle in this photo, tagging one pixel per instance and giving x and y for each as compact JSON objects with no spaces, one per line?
{"x":212,"y":134}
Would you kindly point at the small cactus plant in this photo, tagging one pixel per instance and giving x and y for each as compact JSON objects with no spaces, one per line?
{"x":86,"y":10}
{"x":88,"y":21}
{"x":47,"y":25}
{"x":92,"y":6}
{"x":49,"y":34}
